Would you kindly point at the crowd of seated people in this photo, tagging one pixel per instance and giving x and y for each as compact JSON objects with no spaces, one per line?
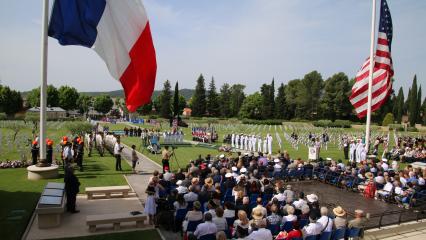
{"x":409,"y":149}
{"x":249,"y":198}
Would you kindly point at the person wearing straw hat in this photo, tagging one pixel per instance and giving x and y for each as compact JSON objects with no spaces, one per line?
{"x":339,"y":220}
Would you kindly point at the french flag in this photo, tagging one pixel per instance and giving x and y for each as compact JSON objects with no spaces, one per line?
{"x":119,"y":33}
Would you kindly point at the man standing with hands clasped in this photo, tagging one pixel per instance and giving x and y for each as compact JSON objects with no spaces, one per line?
{"x":117,"y":154}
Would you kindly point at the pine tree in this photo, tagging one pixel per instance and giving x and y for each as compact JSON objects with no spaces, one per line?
{"x":199,"y":98}
{"x":225,"y":100}
{"x":413,"y":108}
{"x":424,"y":111}
{"x":176,"y":101}
{"x":266,"y":108}
{"x":165,"y":100}
{"x":213,"y":100}
{"x":280,"y":103}
{"x":237,"y":98}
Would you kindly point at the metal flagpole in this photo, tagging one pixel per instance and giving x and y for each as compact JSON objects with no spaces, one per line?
{"x":43,"y":88}
{"x":370,"y":80}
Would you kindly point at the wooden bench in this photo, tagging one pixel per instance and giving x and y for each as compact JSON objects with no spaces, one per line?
{"x":107,"y":191}
{"x":115,"y":219}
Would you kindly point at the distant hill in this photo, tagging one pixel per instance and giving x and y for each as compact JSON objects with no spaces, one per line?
{"x":187,"y":93}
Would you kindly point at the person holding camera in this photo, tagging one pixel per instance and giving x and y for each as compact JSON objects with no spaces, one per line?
{"x":166,"y":157}
{"x":117,"y":154}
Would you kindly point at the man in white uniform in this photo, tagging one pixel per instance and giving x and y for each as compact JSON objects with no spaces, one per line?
{"x":265,"y":145}
{"x":246,"y":140}
{"x":259,"y":144}
{"x":242,"y":142}
{"x":232,"y":140}
{"x":237,"y":139}
{"x":269,"y":144}
{"x":253,"y":145}
{"x":352,"y":148}
{"x":359,"y":147}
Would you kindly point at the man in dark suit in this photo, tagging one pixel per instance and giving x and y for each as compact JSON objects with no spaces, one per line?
{"x":71,"y":188}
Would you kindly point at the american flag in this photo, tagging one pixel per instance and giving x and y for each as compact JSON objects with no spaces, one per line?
{"x":383,"y":69}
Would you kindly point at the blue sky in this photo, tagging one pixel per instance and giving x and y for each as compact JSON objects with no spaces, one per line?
{"x":236,"y":41}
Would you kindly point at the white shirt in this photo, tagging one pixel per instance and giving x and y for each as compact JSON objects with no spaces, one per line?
{"x":289,"y":218}
{"x":312,"y":229}
{"x":221,"y":223}
{"x":261,"y":234}
{"x":205,"y":228}
{"x":323,"y":221}
{"x":299,"y":203}
{"x":190,"y":197}
{"x":280,"y":197}
{"x":117,"y":148}
{"x":229,"y":213}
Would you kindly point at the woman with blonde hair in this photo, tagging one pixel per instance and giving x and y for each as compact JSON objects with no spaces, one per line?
{"x":241,"y":223}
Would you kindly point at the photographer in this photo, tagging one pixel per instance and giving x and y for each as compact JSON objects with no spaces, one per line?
{"x":166,"y":157}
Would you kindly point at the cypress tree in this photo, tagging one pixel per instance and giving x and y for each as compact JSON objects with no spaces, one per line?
{"x":199,"y":98}
{"x":419,"y":104}
{"x":176,"y":101}
{"x":280,"y":103}
{"x":413,"y":108}
{"x":212,"y":100}
{"x":225,"y":100}
{"x":165,"y":100}
{"x":272,"y":98}
{"x":399,"y":106}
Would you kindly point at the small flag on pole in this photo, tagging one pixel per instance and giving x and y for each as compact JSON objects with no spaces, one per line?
{"x":119,"y":32}
{"x":383,"y":69}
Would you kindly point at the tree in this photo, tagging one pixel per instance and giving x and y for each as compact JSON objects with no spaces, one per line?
{"x":398,"y":106}
{"x":280,"y":103}
{"x":84,"y":102}
{"x":103,"y":104}
{"x":424,"y":111}
{"x":225,"y":100}
{"x":250,"y":107}
{"x":335,"y":101}
{"x":413,"y":108}
{"x":310,"y":94}
{"x":68,"y":97}
{"x":419,"y":105}
{"x":10,"y":101}
{"x":182,"y":103}
{"x":176,"y":101}
{"x":237,"y":98}
{"x":79,"y":128}
{"x":145,"y":109}
{"x":266,"y":107}
{"x":291,"y":93}
{"x":52,"y":97}
{"x":199,"y":98}
{"x":213,"y":107}
{"x":272,"y":97}
{"x":388,"y":119}
{"x":165,"y":100}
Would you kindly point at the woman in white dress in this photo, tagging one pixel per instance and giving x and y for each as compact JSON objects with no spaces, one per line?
{"x":152,"y":193}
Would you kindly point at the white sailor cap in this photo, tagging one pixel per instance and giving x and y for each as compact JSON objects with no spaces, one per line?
{"x":234,"y":169}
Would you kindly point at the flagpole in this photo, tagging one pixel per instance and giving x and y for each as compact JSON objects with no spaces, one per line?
{"x":370,"y":79}
{"x":43,"y":88}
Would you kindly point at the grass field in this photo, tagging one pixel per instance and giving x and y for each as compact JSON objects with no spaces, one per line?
{"x":185,"y":154}
{"x":19,"y":196}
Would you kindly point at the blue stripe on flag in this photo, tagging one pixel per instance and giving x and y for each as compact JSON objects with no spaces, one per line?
{"x":73,"y":22}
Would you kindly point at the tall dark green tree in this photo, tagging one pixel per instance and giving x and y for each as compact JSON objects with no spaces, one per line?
{"x":165,"y":100}
{"x":272,"y":98}
{"x":424,"y":111}
{"x":84,"y":102}
{"x":419,"y":104}
{"x":176,"y":100}
{"x":413,"y":108}
{"x":398,"y":106}
{"x":280,"y":103}
{"x":335,"y":101}
{"x":213,"y":100}
{"x":199,"y":102}
{"x":309,"y":95}
{"x":68,"y":97}
{"x":225,"y":100}
{"x":292,"y":95}
{"x":266,"y":107}
{"x":237,"y":98}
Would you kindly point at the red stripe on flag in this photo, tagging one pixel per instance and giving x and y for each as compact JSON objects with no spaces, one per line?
{"x":139,"y":78}
{"x":382,"y":41}
{"x":373,"y":95}
{"x":364,"y":88}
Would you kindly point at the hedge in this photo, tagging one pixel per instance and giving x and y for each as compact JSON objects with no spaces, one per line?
{"x":263,"y":122}
{"x":336,"y":124}
{"x":397,"y":127}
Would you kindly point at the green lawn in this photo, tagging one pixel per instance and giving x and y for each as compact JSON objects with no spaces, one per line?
{"x":151,"y":234}
{"x":184,"y":154}
{"x":18,"y":196}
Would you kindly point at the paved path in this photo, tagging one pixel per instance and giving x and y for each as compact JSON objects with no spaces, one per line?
{"x":139,"y":182}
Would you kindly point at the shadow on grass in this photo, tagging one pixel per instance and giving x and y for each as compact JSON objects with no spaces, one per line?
{"x":15,"y":212}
